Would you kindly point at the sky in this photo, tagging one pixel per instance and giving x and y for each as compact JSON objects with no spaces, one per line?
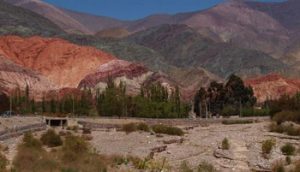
{"x":135,"y":9}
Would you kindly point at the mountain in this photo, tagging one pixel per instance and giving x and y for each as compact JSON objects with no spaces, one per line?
{"x":245,"y":24}
{"x":113,"y":33}
{"x":54,"y":58}
{"x":95,"y":23}
{"x":286,"y":12}
{"x":16,"y":76}
{"x":184,"y":47}
{"x":50,"y":65}
{"x":69,"y":21}
{"x":152,"y":59}
{"x":273,"y":86}
{"x":16,"y":20}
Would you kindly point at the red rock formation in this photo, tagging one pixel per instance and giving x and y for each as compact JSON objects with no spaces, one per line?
{"x":63,"y":63}
{"x":273,"y":86}
{"x":13,"y":76}
{"x":130,"y":73}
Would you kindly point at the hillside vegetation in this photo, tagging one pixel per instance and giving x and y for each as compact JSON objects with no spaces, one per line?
{"x":19,"y":21}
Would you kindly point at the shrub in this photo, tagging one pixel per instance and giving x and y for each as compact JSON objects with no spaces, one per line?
{"x":206,"y":167}
{"x":267,"y":146}
{"x":75,"y":144}
{"x":184,"y":167}
{"x":229,"y":110}
{"x":288,"y":160}
{"x":129,"y":128}
{"x":225,"y":144}
{"x":288,"y":129}
{"x":163,"y":129}
{"x":278,"y":167}
{"x":86,"y":131}
{"x":31,"y":142}
{"x":73,"y":128}
{"x":236,"y":121}
{"x":51,"y":139}
{"x":288,"y":149}
{"x":143,"y":127}
{"x":284,"y":116}
{"x":3,"y":162}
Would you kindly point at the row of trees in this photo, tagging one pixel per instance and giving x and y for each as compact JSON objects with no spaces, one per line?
{"x":154,"y":101}
{"x":224,"y":99}
{"x":21,"y":102}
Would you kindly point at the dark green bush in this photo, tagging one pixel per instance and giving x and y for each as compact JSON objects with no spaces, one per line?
{"x":225,"y":144}
{"x":184,"y":167}
{"x":143,"y":127}
{"x":163,"y":129}
{"x":288,"y":149}
{"x":3,"y":162}
{"x":288,"y":129}
{"x":246,"y":112}
{"x":129,"y":128}
{"x":279,"y":167}
{"x":284,"y":116}
{"x":31,"y":142}
{"x":229,"y":111}
{"x":267,"y":146}
{"x":51,"y":139}
{"x":236,"y":121}
{"x":206,"y":167}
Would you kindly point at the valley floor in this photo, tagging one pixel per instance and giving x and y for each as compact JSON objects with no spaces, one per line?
{"x":201,"y":142}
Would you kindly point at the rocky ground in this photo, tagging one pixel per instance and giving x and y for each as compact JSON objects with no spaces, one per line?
{"x":200,"y":143}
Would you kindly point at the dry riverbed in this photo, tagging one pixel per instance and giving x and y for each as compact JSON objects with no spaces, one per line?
{"x":200,"y":143}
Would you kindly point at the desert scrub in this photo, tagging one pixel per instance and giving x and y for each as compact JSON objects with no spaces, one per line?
{"x":3,"y":162}
{"x":278,"y":166}
{"x":287,"y":129}
{"x":32,"y":157}
{"x":143,"y":127}
{"x":184,"y":167}
{"x":206,"y":167}
{"x":288,"y":160}
{"x":129,"y":128}
{"x":51,"y":139}
{"x":237,"y":121}
{"x":163,"y":129}
{"x":225,"y":144}
{"x":31,"y":142}
{"x":288,"y":149}
{"x":73,"y":148}
{"x":267,"y":146}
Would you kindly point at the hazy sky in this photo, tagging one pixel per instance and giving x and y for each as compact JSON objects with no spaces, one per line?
{"x":135,"y":9}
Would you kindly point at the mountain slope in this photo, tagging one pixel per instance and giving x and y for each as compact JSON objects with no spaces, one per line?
{"x":70,"y":21}
{"x":16,"y":20}
{"x":152,"y":59}
{"x":63,"y":63}
{"x":94,"y":23}
{"x":182,"y":46}
{"x":16,"y":76}
{"x":287,"y":12}
{"x":273,"y":86}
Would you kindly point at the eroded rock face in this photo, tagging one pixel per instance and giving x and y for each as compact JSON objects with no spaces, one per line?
{"x":273,"y":86}
{"x":63,"y":63}
{"x":133,"y":75}
{"x":13,"y":76}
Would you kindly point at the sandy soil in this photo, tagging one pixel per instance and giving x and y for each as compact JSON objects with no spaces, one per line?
{"x":199,"y":145}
